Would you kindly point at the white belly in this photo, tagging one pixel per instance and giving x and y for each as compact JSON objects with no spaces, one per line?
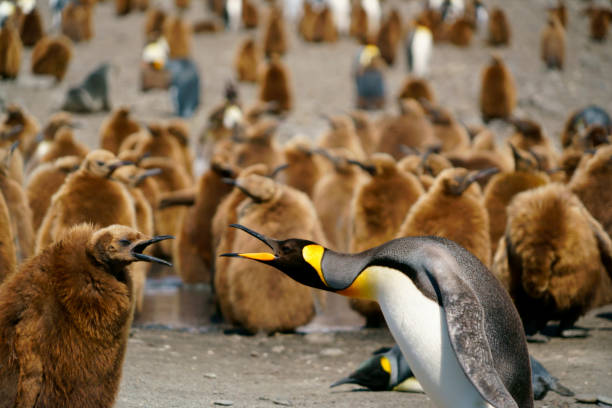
{"x":421,"y":52}
{"x":419,"y":327}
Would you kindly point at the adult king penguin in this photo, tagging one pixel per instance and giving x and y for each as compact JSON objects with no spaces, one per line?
{"x":453,"y":321}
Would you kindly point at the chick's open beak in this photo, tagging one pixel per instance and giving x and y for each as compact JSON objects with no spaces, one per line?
{"x":139,"y":247}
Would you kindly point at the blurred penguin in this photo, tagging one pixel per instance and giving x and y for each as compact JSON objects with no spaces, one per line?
{"x":365,"y":130}
{"x":373,"y":16}
{"x":559,"y":10}
{"x":20,"y":125}
{"x":497,"y":90}
{"x":418,"y":49}
{"x":51,"y":56}
{"x":499,"y":28}
{"x":554,"y":259}
{"x":275,"y":84}
{"x":369,"y":80}
{"x":177,"y":33}
{"x":116,"y":128}
{"x":10,"y":42}
{"x":247,"y":60}
{"x":389,"y":36}
{"x":92,"y":95}
{"x":8,"y":254}
{"x":153,"y":72}
{"x":303,"y":172}
{"x":275,"y":34}
{"x":599,"y":23}
{"x":552,"y":43}
{"x":448,"y":130}
{"x":62,"y":143}
{"x":31,"y":28}
{"x":529,"y":136}
{"x":359,"y":23}
{"x":416,"y":88}
{"x":341,"y":13}
{"x":250,"y":14}
{"x":342,"y":134}
{"x":579,"y":120}
{"x":453,"y":208}
{"x":258,"y":145}
{"x":232,"y":14}
{"x":77,"y":21}
{"x":184,"y":86}
{"x":179,"y":130}
{"x":154,"y":24}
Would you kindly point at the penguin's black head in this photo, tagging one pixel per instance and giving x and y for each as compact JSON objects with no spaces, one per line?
{"x":298,"y":258}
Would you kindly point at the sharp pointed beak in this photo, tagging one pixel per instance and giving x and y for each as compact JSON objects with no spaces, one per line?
{"x":482,"y":174}
{"x":365,"y":167}
{"x":257,"y":256}
{"x":278,"y":169}
{"x":137,"y":250}
{"x":118,"y":164}
{"x":346,"y":380}
{"x":244,"y":191}
{"x":269,"y":242}
{"x":149,"y":173}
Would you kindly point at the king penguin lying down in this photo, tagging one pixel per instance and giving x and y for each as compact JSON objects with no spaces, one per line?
{"x":454,"y":323}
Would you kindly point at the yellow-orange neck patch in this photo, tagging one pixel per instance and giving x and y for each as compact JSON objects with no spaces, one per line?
{"x":385,"y":364}
{"x":313,"y":254}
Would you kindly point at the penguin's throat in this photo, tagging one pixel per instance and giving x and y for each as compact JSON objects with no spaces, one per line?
{"x":364,"y":286}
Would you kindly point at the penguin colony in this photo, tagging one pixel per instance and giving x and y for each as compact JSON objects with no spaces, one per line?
{"x":347,"y":215}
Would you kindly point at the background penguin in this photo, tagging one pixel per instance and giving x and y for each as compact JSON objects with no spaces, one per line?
{"x":247,"y":61}
{"x":365,"y":130}
{"x":88,"y":195}
{"x":179,"y":130}
{"x":177,"y":33}
{"x":8,"y":253}
{"x":303,"y":172}
{"x":342,"y":134}
{"x":153,"y":72}
{"x":529,"y":136}
{"x":401,"y":276}
{"x":184,"y":86}
{"x":389,"y":36}
{"x":578,"y":152}
{"x":250,"y":14}
{"x":451,"y":134}
{"x":359,"y":28}
{"x":18,"y":207}
{"x":340,"y":10}
{"x":154,"y":24}
{"x":599,"y":22}
{"x":502,"y":188}
{"x":77,"y":21}
{"x":425,"y":166}
{"x":417,"y":89}
{"x":51,"y":56}
{"x":258,"y":145}
{"x":92,"y":95}
{"x":499,"y":28}
{"x":552,"y":43}
{"x":10,"y":46}
{"x":369,"y":78}
{"x":591,"y":184}
{"x":497,"y":90}
{"x":560,"y":11}
{"x":44,"y":181}
{"x":262,"y":299}
{"x":307,"y":21}
{"x":418,"y":49}
{"x":554,"y":259}
{"x":59,"y":330}
{"x":232,"y":14}
{"x":116,"y":128}
{"x":373,"y":13}
{"x":275,"y":84}
{"x":411,"y":128}
{"x":377,"y":210}
{"x":332,"y":197}
{"x":275,"y":34}
{"x":453,"y":208}
{"x":31,"y":28}
{"x":461,"y":31}
{"x":324,"y":28}
{"x":63,"y":144}
{"x":581,"y":119}
{"x":22,"y":126}
{"x":157,"y":142}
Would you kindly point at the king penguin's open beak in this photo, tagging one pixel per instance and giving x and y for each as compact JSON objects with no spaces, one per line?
{"x":137,"y":250}
{"x":257,"y":256}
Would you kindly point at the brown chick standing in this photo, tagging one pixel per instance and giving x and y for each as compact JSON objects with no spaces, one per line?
{"x":275,"y":34}
{"x":499,"y":28}
{"x":51,"y":56}
{"x":552,"y":43}
{"x":247,"y":61}
{"x":116,"y":128}
{"x":497,"y":91}
{"x":275,"y":85}
{"x":65,"y":317}
{"x":10,"y":51}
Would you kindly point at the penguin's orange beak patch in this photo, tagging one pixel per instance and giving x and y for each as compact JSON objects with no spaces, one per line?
{"x":258,"y":256}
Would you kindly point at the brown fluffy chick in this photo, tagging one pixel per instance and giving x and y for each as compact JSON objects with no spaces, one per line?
{"x":31,"y":28}
{"x":19,"y":125}
{"x":453,"y":208}
{"x":10,"y":51}
{"x":18,"y":208}
{"x":449,"y":131}
{"x":358,"y":28}
{"x":275,"y":34}
{"x":307,"y":21}
{"x":65,"y":317}
{"x":560,"y":11}
{"x":502,"y":188}
{"x":411,"y":128}
{"x":250,"y":14}
{"x":342,"y":134}
{"x":591,"y":183}
{"x":77,"y":21}
{"x":599,"y":22}
{"x":332,"y":197}
{"x":88,"y":195}
{"x":303,"y":172}
{"x":324,"y":28}
{"x":578,"y":152}
{"x":390,"y":36}
{"x":554,"y":258}
{"x":529,"y":136}
{"x":258,"y":145}
{"x":8,"y":254}
{"x":193,"y":249}
{"x":44,"y":181}
{"x":461,"y":31}
{"x":63,"y":144}
{"x":179,"y":130}
{"x":51,"y":56}
{"x":552,"y":43}
{"x":275,"y":84}
{"x":159,"y":142}
{"x":425,"y":166}
{"x":416,"y":88}
{"x":178,"y":34}
{"x":499,"y":28}
{"x":366,"y":131}
{"x":247,"y":60}
{"x":154,"y":24}
{"x":260,"y":298}
{"x":497,"y":91}
{"x":116,"y":128}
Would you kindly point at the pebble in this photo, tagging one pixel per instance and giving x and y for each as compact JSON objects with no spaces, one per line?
{"x":284,"y":403}
{"x":319,"y":338}
{"x":331,"y":352}
{"x":278,"y":349}
{"x":210,"y":375}
{"x":587,"y":398}
{"x":223,"y":403}
{"x":254,"y":354}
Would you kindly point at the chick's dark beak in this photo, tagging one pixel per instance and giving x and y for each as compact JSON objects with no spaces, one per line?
{"x":139,"y":247}
{"x":257,"y":256}
{"x":118,"y":164}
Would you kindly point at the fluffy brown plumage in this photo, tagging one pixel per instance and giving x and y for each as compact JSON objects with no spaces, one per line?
{"x":553,"y":258}
{"x":359,"y":23}
{"x":579,"y":151}
{"x":154,"y":24}
{"x":366,"y":131}
{"x":530,"y":136}
{"x":88,"y":195}
{"x":31,"y":29}
{"x":247,"y":61}
{"x":452,"y":208}
{"x":250,"y":14}
{"x":342,"y":134}
{"x":77,"y":21}
{"x":179,"y":130}
{"x":158,"y":142}
{"x":8,"y":254}
{"x":116,"y":128}
{"x":178,"y":33}
{"x":390,"y":36}
{"x":275,"y":35}
{"x":22,"y":126}
{"x":324,"y":28}
{"x":10,"y":51}
{"x":303,"y":172}
{"x":307,"y":21}
{"x":411,"y":128}
{"x":259,"y":145}
{"x":416,"y":88}
{"x":51,"y":56}
{"x":552,"y":43}
{"x":275,"y":84}
{"x":65,"y":318}
{"x":599,"y":22}
{"x":261,"y":298}
{"x":499,"y":28}
{"x":63,"y":144}
{"x":497,"y":91}
{"x":461,"y":31}
{"x":449,"y":131}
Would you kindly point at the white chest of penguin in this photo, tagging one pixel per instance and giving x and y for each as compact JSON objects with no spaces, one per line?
{"x":419,"y":327}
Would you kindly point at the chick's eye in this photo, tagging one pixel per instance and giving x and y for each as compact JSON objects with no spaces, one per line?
{"x":124,"y":242}
{"x":100,"y":163}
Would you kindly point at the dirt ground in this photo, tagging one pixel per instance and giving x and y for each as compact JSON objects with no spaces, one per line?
{"x":200,"y":366}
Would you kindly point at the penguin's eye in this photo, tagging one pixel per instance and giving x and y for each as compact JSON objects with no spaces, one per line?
{"x":285,"y":249}
{"x":100,"y":163}
{"x":124,"y":242}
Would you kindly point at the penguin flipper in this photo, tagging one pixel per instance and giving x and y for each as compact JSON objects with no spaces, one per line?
{"x":465,"y":320}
